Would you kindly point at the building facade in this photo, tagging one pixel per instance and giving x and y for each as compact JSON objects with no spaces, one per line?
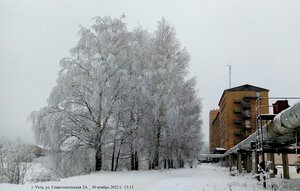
{"x":235,"y":119}
{"x":214,"y":129}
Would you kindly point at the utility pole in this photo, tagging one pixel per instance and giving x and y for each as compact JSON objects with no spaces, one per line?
{"x":229,"y":66}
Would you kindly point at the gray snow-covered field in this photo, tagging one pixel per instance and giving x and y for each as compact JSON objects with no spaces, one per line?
{"x":205,"y":177}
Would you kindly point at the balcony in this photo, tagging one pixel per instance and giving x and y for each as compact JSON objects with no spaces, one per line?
{"x":237,"y":111}
{"x":251,"y":97}
{"x":238,"y":132}
{"x":246,"y":114}
{"x":246,"y":105}
{"x":247,"y":124}
{"x":237,"y":122}
{"x":238,"y":101}
{"x":247,"y":127}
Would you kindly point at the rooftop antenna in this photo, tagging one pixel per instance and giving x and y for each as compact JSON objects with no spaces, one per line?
{"x":229,"y":66}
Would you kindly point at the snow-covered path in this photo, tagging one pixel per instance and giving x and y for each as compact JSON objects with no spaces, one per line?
{"x":203,"y":178}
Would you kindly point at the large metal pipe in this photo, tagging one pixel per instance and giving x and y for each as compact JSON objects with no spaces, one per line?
{"x":285,"y":122}
{"x":278,"y":130}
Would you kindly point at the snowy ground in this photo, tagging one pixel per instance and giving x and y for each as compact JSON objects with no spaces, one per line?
{"x":205,"y":177}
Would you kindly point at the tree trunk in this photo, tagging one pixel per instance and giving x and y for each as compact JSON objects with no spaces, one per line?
{"x":157,"y":147}
{"x":170,"y":163}
{"x":117,"y":160}
{"x":118,"y":155}
{"x":113,"y":157}
{"x":165,"y":163}
{"x":131,"y":161}
{"x":180,"y":161}
{"x":99,"y":159}
{"x":159,"y":125}
{"x":136,"y":161}
{"x":150,"y":165}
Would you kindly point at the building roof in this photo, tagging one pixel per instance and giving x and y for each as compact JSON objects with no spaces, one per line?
{"x":246,"y":87}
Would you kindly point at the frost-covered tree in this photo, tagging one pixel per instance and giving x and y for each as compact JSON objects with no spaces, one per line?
{"x":14,"y":161}
{"x":123,"y":97}
{"x":185,"y":132}
{"x":90,"y":84}
{"x":169,"y":69}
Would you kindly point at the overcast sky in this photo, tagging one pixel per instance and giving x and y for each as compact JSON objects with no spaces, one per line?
{"x":260,"y":39}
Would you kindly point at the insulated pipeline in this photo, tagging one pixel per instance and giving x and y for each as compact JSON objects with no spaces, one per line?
{"x":279,"y":129}
{"x":285,"y":122}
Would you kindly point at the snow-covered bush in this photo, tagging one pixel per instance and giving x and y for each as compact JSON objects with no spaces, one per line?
{"x":39,"y":172}
{"x":14,"y":162}
{"x":70,"y":163}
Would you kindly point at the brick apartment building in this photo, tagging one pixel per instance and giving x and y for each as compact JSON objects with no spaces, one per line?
{"x":236,"y":117}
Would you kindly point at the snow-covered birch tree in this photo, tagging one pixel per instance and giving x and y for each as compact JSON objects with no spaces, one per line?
{"x":125,"y":96}
{"x":90,"y":84}
{"x":169,"y":71}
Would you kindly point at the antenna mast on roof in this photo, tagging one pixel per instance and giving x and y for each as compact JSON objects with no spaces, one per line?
{"x":229,"y":66}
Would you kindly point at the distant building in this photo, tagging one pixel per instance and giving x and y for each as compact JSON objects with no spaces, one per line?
{"x":214,"y":129}
{"x":236,"y":117}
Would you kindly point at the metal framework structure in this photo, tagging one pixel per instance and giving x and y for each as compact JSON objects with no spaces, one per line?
{"x":274,"y":133}
{"x":272,"y":130}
